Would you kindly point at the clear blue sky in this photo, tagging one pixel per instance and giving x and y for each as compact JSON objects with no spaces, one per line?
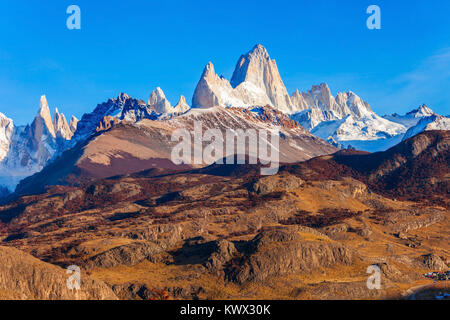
{"x":134,"y":46}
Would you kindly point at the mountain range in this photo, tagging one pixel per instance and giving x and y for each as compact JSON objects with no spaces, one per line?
{"x":125,"y":135}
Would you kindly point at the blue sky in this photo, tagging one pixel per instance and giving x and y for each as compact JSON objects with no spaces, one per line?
{"x":134,"y":46}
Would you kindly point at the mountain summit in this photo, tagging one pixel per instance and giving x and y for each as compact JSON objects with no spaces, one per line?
{"x":255,"y":82}
{"x":25,"y":150}
{"x":158,"y":102}
{"x":44,"y":118}
{"x":257,"y":68}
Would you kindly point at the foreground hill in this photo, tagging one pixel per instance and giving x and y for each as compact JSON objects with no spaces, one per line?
{"x":25,"y":277}
{"x":415,"y":169}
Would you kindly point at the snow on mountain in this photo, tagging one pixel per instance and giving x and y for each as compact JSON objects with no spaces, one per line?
{"x":411,"y":118}
{"x":255,"y":82}
{"x":73,"y":124}
{"x":129,"y":109}
{"x":433,"y":122}
{"x":298,"y":100}
{"x":6,"y":131}
{"x":212,"y":91}
{"x":61,"y":127}
{"x":367,"y":127}
{"x":318,"y":105}
{"x":25,"y":150}
{"x":123,"y":107}
{"x":345,"y":120}
{"x":158,"y":102}
{"x":258,"y":69}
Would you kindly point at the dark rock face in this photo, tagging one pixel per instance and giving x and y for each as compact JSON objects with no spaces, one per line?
{"x":282,"y":252}
{"x":129,"y":255}
{"x":223,"y":252}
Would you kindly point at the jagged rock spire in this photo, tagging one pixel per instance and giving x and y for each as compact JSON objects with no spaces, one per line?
{"x":257,"y":68}
{"x":181,"y":106}
{"x":255,"y":82}
{"x":44,"y":114}
{"x":61,"y":127}
{"x":211,"y":89}
{"x":73,"y":124}
{"x":158,"y":102}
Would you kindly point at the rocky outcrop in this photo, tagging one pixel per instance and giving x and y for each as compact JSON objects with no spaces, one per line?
{"x":107,"y":123}
{"x":434,"y":262}
{"x":129,"y":255}
{"x":282,"y":251}
{"x":25,"y":277}
{"x":407,"y":223}
{"x":282,"y":182}
{"x":223,"y":252}
{"x":73,"y":124}
{"x":255,"y":82}
{"x":61,"y":127}
{"x":390,"y":272}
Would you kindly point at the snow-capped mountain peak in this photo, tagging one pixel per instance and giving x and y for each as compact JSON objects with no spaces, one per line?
{"x":422,"y":111}
{"x":6,"y":131}
{"x":255,"y":82}
{"x":257,"y":68}
{"x":427,"y":123}
{"x":411,"y":118}
{"x":344,"y":119}
{"x":25,"y":150}
{"x":158,"y":102}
